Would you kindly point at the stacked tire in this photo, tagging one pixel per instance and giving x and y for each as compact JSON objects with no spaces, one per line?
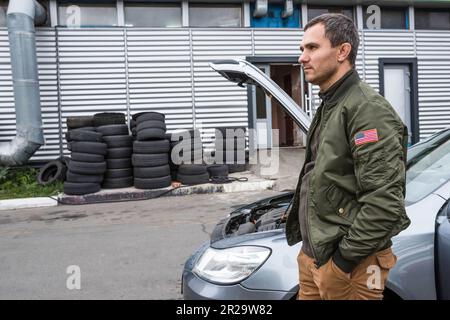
{"x":150,"y":151}
{"x":119,"y":173}
{"x":231,"y":149}
{"x":192,"y":174}
{"x":87,"y":164}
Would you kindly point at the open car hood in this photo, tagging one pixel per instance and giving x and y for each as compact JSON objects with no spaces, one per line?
{"x":243,"y":72}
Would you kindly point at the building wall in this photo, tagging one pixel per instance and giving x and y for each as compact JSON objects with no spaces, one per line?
{"x":84,"y":71}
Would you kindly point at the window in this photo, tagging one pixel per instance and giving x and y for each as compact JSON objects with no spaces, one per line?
{"x":391,"y":18}
{"x":152,"y":15}
{"x":215,"y":15}
{"x":274,"y":18}
{"x":87,"y":14}
{"x":432,"y":18}
{"x":315,"y":11}
{"x":3,"y":10}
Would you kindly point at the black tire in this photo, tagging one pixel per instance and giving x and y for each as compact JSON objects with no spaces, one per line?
{"x":79,"y":121}
{"x":87,"y":157}
{"x":113,"y":130}
{"x":151,"y":124}
{"x":192,"y":169}
{"x":107,"y":118}
{"x":69,"y":145}
{"x":118,"y":173}
{"x":73,"y":188}
{"x":118,"y":163}
{"x":89,"y":147}
{"x":150,"y":160}
{"x":151,"y":172}
{"x":83,"y":135}
{"x":150,"y":147}
{"x":144,"y":116}
{"x":83,"y":178}
{"x":218,"y":170}
{"x":133,"y":123}
{"x":193,"y":179}
{"x":118,"y":153}
{"x":153,"y":183}
{"x":94,"y":168}
{"x":118,"y":183}
{"x":53,"y":171}
{"x":150,"y":134}
{"x":123,"y":141}
{"x":236,"y":168}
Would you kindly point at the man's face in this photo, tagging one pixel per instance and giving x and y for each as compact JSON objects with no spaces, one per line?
{"x":319,"y":58}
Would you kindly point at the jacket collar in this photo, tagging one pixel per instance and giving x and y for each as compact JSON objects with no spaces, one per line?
{"x":339,"y":88}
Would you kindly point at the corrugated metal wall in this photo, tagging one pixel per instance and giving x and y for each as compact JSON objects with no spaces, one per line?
{"x":166,"y":70}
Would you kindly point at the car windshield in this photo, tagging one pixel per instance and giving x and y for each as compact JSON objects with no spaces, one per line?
{"x":429,"y":166}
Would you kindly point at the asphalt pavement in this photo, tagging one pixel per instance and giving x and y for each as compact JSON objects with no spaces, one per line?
{"x":120,"y":250}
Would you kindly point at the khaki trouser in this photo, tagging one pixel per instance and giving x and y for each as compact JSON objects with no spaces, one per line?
{"x":365,"y":282}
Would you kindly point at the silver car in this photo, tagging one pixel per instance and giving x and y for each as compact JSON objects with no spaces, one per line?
{"x":248,"y":257}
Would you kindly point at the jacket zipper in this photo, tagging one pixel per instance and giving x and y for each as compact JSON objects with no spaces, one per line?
{"x":309,"y":188}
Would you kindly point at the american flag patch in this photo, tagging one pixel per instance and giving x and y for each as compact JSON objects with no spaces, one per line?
{"x":366,"y":136}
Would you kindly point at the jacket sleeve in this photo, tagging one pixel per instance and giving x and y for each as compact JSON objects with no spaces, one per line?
{"x":376,"y":138}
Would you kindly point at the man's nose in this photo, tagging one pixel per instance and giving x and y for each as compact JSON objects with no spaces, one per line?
{"x":303,"y":58}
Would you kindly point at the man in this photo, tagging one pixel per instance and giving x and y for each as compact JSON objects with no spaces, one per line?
{"x":349,"y":201}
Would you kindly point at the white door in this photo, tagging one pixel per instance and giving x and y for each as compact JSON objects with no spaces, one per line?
{"x":262,"y":111}
{"x":397,"y":91}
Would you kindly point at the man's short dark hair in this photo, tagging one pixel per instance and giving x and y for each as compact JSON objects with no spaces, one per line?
{"x":338,"y":29}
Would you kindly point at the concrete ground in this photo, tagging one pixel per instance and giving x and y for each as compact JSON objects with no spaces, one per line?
{"x":125,"y":250}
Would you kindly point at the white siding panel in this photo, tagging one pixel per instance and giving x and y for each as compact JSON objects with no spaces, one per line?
{"x":159,"y":72}
{"x":218,"y":102}
{"x":433,"y":55}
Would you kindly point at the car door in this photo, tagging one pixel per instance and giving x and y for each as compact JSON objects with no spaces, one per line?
{"x":442,"y":253}
{"x":243,"y":72}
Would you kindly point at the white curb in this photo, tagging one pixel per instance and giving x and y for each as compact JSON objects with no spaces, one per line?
{"x":22,"y":203}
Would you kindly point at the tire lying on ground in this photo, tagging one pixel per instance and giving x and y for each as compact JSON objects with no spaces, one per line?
{"x":114,"y":183}
{"x":193,"y":179}
{"x":218,"y":170}
{"x":152,"y":183}
{"x":72,"y":188}
{"x":53,"y":171}
{"x":192,"y":169}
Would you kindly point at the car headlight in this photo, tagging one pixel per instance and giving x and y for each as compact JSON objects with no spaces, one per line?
{"x":230,"y":265}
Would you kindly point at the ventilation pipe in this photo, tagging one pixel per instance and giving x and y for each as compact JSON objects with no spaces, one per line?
{"x":21,"y":17}
{"x":288,"y":9}
{"x":260,"y":8}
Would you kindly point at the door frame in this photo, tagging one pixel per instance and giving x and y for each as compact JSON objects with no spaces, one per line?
{"x":413,"y":84}
{"x":264,"y":60}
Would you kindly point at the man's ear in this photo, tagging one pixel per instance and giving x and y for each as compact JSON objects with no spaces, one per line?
{"x":344,"y":51}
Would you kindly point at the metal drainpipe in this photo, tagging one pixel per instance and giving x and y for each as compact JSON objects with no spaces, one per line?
{"x":21,"y":17}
